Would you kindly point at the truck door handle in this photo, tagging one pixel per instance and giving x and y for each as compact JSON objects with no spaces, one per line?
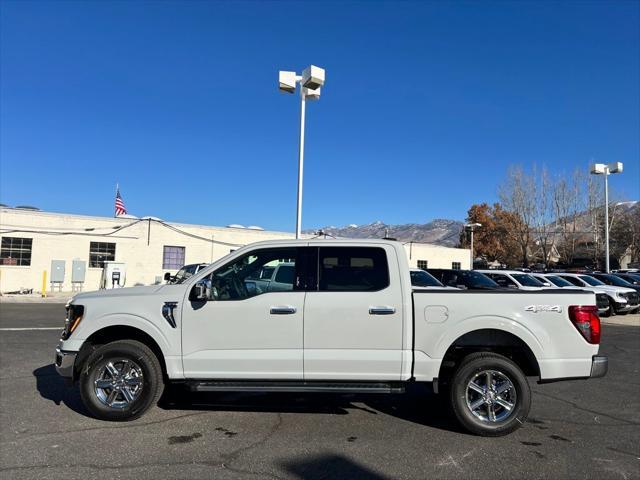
{"x":284,"y":310}
{"x":382,"y":310}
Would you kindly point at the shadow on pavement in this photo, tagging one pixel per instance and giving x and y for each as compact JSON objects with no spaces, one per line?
{"x":329,"y":466}
{"x":416,"y":407}
{"x":52,"y":386}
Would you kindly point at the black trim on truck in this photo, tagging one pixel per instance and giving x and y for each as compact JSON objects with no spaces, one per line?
{"x":505,"y":291}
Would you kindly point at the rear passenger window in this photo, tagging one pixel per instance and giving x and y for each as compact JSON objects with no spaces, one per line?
{"x":353,"y":269}
{"x":285,"y":274}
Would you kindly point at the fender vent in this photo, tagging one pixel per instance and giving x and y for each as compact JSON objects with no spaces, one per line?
{"x":167,"y":313}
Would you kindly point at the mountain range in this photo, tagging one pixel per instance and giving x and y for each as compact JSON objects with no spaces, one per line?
{"x":438,"y":232}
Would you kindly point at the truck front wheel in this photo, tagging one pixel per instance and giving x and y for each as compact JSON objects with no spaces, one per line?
{"x":490,"y":394}
{"x":121,"y":380}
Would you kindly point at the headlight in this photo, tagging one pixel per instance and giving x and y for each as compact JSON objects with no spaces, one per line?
{"x":74,"y":316}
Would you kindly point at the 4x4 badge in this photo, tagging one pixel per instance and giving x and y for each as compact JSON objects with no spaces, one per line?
{"x":543,"y":308}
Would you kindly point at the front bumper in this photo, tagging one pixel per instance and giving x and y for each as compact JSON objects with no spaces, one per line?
{"x":65,"y":362}
{"x":623,"y":307}
{"x":599,"y":366}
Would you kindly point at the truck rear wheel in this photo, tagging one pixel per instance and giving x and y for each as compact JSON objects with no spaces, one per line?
{"x":490,"y":395}
{"x":121,"y":380}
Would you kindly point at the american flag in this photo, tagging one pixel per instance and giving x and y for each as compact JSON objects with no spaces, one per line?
{"x":120,"y":208}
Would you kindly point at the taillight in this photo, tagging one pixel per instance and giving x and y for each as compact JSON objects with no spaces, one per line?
{"x":585,"y":319}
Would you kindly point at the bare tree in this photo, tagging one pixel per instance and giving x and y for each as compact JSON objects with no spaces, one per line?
{"x":568,"y":204}
{"x":517,"y":195}
{"x":542,"y":205}
{"x":594,"y":203}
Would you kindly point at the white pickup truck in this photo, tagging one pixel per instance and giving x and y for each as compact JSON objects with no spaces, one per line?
{"x":349,"y":321}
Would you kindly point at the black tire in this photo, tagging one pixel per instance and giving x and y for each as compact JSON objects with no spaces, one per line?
{"x":475,"y":364}
{"x":120,"y":352}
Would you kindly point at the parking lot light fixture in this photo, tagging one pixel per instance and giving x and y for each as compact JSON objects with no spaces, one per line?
{"x":311,"y":80}
{"x":471,"y":227}
{"x":606,"y":170}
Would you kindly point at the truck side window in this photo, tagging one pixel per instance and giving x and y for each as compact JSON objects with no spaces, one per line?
{"x":573,"y":280}
{"x":353,"y":269}
{"x":251,"y":274}
{"x":502,"y":280}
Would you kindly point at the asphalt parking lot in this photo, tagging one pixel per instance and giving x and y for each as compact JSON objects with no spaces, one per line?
{"x":579,"y":429}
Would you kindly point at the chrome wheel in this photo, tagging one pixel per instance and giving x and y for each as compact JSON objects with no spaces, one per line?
{"x":491,"y":396}
{"x":119,"y":383}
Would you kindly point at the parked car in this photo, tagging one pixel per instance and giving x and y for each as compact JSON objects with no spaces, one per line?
{"x":365,"y":329}
{"x":514,"y":279}
{"x":184,"y":273}
{"x":616,"y":281}
{"x":423,"y":279}
{"x":632,"y":278}
{"x":463,"y":279}
{"x":272,"y":278}
{"x":621,"y":300}
{"x":552,"y":280}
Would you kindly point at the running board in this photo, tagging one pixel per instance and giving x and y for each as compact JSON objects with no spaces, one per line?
{"x":296,"y":386}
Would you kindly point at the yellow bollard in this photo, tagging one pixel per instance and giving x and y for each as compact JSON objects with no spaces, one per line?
{"x":44,"y":284}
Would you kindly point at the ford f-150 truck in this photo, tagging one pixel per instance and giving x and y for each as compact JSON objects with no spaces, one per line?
{"x":348,"y":321}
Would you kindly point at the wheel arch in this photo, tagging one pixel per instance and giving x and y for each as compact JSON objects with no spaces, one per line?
{"x":113,"y":333}
{"x":490,"y":340}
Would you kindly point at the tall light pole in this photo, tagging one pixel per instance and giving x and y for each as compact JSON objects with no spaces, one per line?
{"x":471,"y":227}
{"x":606,"y":170}
{"x":310,"y":81}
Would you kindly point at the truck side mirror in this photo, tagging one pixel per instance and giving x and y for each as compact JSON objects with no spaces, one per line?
{"x":167,"y":276}
{"x":200,"y":292}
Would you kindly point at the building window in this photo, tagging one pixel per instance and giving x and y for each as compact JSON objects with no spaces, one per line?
{"x":172,"y":258}
{"x":456,"y":265}
{"x":100,"y":252}
{"x":16,"y":251}
{"x":423,"y":264}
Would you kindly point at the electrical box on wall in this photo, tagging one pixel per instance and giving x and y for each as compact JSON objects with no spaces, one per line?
{"x":57,"y":271}
{"x":78,"y":270}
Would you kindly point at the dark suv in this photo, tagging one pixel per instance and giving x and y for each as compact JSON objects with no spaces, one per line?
{"x":467,"y":279}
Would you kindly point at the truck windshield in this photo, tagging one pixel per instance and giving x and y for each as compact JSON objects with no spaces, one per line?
{"x":559,"y":282}
{"x":184,"y":273}
{"x":424,"y":279}
{"x":613,"y":280}
{"x":594,"y":282}
{"x":527,"y":280}
{"x":476,"y":280}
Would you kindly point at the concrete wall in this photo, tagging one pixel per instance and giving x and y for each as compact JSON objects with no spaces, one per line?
{"x":140,"y":244}
{"x":437,"y":256}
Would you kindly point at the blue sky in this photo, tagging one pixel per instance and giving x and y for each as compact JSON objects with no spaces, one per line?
{"x":426,"y":104}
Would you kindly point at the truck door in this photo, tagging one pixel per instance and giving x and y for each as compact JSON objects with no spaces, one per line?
{"x":243,"y":331}
{"x":353,"y":320}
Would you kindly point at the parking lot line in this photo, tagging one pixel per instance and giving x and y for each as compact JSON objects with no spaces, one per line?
{"x":28,"y":328}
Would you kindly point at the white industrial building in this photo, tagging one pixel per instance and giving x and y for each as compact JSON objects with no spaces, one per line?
{"x":72,"y":249}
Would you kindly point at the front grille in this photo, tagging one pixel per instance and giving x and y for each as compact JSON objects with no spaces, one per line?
{"x":602,"y":301}
{"x":632,"y":298}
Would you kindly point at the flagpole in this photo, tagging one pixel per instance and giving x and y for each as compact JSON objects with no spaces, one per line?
{"x":115,"y":214}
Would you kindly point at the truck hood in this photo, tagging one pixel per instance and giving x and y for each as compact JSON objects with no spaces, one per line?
{"x":613,"y":289}
{"x":127,"y":292}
